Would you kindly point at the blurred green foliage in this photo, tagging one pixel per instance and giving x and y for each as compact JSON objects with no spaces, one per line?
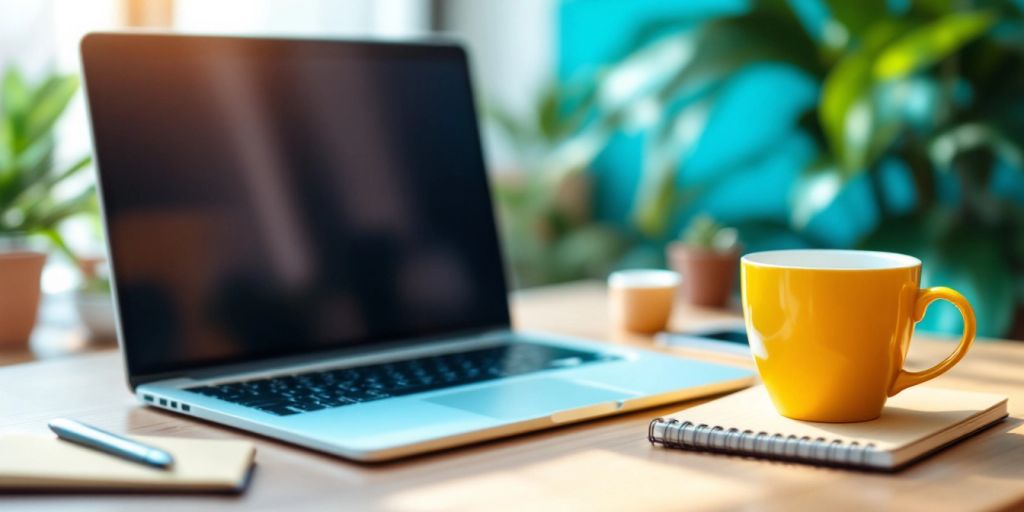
{"x":545,"y":208}
{"x":28,"y":172}
{"x":937,"y":85}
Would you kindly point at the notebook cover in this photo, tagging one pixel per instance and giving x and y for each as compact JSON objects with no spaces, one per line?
{"x":914,"y":422}
{"x":39,"y":462}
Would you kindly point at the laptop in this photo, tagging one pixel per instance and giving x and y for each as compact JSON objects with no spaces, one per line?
{"x":303,"y":246}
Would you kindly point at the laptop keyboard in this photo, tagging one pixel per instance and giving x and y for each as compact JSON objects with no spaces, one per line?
{"x":313,"y":391}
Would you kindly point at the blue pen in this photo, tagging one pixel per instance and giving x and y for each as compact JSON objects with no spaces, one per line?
{"x":92,"y":437}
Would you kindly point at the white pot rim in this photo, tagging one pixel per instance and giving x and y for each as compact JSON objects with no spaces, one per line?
{"x":644,"y":278}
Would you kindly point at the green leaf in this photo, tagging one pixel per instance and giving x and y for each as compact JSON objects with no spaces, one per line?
{"x":846,"y":108}
{"x":814,"y":191}
{"x":549,"y":117}
{"x":518,"y":132}
{"x":666,"y":150}
{"x":576,"y":153}
{"x":645,"y":72}
{"x":931,"y":43}
{"x":43,"y":216}
{"x":58,"y":241}
{"x":857,"y":16}
{"x":946,"y":146}
{"x":679,"y":66}
{"x":40,"y":190}
{"x":590,"y":251}
{"x":28,"y":169}
{"x":933,"y":7}
{"x":846,"y":86}
{"x":6,"y":142}
{"x":15,"y":98}
{"x":48,"y":103}
{"x":72,"y":170}
{"x":769,"y":33}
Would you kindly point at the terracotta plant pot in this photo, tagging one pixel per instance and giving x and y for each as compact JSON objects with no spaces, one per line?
{"x":20,"y":272}
{"x":708,"y":276}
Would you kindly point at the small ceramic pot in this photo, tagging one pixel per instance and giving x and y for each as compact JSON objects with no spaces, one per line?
{"x":708,"y":276}
{"x":96,"y":312}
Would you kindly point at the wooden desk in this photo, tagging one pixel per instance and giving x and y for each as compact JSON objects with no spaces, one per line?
{"x":600,"y":465}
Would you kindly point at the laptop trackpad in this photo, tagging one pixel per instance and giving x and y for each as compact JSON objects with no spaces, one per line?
{"x":528,"y":399}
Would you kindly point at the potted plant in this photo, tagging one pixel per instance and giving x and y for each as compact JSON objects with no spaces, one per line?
{"x":29,"y":209}
{"x":707,"y":256}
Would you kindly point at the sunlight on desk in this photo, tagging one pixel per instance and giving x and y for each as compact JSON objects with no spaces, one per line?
{"x":616,"y":478}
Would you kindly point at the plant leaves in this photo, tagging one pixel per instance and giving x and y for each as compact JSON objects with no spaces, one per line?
{"x":6,"y":143}
{"x":690,"y":61}
{"x":931,"y":43}
{"x":846,"y":86}
{"x":49,"y":214}
{"x":518,"y":132}
{"x":591,"y":250}
{"x":48,"y":103}
{"x":72,"y":170}
{"x":846,"y":109}
{"x":58,"y":241}
{"x":858,"y":15}
{"x":666,"y":149}
{"x":946,"y":146}
{"x":15,"y":97}
{"x":769,"y":33}
{"x":30,"y":166}
{"x":814,"y":191}
{"x":43,"y":182}
{"x":645,"y":72}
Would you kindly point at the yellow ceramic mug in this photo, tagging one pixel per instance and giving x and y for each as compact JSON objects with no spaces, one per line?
{"x":829,"y":329}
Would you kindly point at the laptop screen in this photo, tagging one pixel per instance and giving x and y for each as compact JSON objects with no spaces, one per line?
{"x":269,"y":197}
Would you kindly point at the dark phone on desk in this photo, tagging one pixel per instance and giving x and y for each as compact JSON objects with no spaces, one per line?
{"x":728,"y":336}
{"x":730,"y":340}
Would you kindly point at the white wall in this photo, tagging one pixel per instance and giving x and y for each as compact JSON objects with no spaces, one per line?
{"x":304,"y":17}
{"x":513,"y":47}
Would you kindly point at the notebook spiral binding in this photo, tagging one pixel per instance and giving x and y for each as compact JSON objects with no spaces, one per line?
{"x":686,"y":435}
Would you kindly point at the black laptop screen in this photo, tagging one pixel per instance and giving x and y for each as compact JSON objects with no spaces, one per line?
{"x":274,"y":197}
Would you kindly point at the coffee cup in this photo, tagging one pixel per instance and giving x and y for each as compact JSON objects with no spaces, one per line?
{"x":640,"y":301}
{"x":829,"y":329}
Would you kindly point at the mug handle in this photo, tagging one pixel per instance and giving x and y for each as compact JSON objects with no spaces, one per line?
{"x":905,"y":379}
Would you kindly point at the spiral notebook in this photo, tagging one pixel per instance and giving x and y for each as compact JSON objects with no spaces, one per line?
{"x":915,"y":423}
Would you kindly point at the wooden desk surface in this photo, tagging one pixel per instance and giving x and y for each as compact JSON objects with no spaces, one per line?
{"x":599,"y":465}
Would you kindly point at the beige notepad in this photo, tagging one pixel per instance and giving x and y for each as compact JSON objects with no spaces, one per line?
{"x":916,"y":422}
{"x":36,"y":462}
